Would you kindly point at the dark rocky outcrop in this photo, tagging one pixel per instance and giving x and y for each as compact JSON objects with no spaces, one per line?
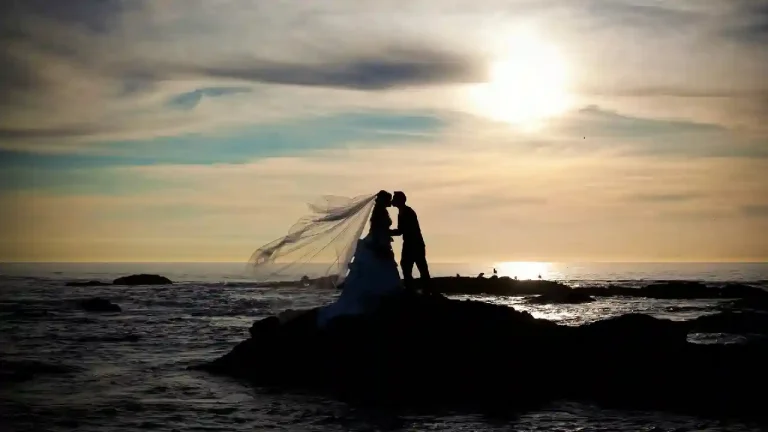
{"x":731,"y":322}
{"x":750,"y":303}
{"x":505,"y":286}
{"x":24,"y":370}
{"x":99,"y":305}
{"x":564,"y":297}
{"x":679,"y":290}
{"x":427,"y":351}
{"x":496,"y":286}
{"x":111,"y":338}
{"x":87,"y":283}
{"x":143,"y":279}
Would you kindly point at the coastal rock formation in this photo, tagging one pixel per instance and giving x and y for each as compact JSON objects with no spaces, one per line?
{"x":731,"y":322}
{"x":428,"y":351}
{"x":564,"y":297}
{"x":142,"y":279}
{"x":23,"y":370}
{"x":87,"y":283}
{"x":678,"y":290}
{"x":99,"y":305}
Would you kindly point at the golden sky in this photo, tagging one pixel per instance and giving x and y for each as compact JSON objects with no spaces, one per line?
{"x":619,"y":130}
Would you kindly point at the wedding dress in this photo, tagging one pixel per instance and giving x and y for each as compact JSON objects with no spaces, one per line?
{"x":372,"y":276}
{"x":331,"y":237}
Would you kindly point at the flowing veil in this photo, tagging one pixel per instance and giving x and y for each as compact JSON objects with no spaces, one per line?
{"x":322,"y":243}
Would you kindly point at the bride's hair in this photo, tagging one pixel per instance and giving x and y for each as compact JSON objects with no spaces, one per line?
{"x":383,"y":198}
{"x":380,"y":216}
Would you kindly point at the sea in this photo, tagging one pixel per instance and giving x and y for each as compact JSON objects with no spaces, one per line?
{"x":128,"y":371}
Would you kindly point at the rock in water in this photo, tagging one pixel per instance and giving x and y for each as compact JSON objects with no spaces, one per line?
{"x":99,"y":305}
{"x":87,"y":283}
{"x":24,"y":370}
{"x":731,"y":322}
{"x":419,"y":350}
{"x":143,"y":279}
{"x":563,"y":297}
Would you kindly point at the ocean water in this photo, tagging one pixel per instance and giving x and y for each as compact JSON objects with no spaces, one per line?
{"x":127,"y":371}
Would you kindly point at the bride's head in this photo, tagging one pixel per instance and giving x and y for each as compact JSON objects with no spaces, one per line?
{"x":384,"y":199}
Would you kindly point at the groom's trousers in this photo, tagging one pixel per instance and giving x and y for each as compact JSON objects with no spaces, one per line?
{"x":410,"y":256}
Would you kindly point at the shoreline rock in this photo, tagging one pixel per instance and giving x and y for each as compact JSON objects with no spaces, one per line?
{"x":469,"y":354}
{"x":566,"y":297}
{"x":91,"y":283}
{"x":142,"y":279}
{"x":99,"y":304}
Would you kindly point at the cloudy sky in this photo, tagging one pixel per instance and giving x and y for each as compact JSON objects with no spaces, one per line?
{"x":555,"y":130}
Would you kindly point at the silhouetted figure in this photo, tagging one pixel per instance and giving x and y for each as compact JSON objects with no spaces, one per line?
{"x":494,"y":271}
{"x":414,"y":249}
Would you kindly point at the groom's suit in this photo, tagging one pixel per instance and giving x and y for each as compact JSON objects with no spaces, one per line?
{"x":414,"y":249}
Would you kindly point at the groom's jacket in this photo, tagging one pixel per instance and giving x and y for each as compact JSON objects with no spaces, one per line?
{"x":408,"y":227}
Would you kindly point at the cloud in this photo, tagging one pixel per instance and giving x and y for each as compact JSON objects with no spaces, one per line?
{"x":487,"y":205}
{"x":107,"y":70}
{"x":756,"y":210}
{"x":244,"y":144}
{"x":190,"y":100}
{"x":663,"y":197}
{"x":390,"y":68}
{"x":749,"y":22}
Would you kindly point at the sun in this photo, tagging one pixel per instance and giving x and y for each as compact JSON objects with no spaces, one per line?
{"x":527,"y":84}
{"x":524,"y":270}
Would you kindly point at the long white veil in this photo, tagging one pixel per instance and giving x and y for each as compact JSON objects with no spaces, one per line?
{"x":320,"y":245}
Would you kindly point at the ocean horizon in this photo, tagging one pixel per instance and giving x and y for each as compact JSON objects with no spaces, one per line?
{"x":573,"y":272}
{"x":117,"y":365}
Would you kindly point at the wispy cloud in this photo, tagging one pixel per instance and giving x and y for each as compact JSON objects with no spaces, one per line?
{"x":212,"y":122}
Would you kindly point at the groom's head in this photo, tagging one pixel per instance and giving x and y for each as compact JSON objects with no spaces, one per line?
{"x":398,"y":199}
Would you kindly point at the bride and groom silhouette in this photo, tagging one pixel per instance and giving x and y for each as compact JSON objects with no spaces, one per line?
{"x":373,"y":272}
{"x":365,"y":268}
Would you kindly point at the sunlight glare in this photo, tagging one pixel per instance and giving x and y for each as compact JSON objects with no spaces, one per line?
{"x":527,"y":84}
{"x":524,"y":270}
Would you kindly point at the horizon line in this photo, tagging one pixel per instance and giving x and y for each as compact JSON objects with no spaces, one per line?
{"x":764,"y":261}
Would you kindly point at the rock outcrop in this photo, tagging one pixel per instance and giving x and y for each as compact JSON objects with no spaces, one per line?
{"x":679,"y":290}
{"x":12,"y":371}
{"x":555,"y":291}
{"x":87,"y":283}
{"x":99,"y":305}
{"x":420,"y":351}
{"x":742,"y":322}
{"x":142,"y":279}
{"x":565,"y":297}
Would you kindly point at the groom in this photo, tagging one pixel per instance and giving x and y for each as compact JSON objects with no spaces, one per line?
{"x":414,"y":249}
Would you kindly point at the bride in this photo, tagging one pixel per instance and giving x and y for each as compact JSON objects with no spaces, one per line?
{"x":366,"y":266}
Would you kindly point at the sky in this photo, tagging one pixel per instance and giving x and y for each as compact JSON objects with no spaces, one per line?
{"x":521,"y":130}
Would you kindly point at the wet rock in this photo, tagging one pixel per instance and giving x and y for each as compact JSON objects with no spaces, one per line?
{"x":142,"y":279}
{"x":750,"y":303}
{"x":111,"y":338}
{"x":679,"y":290}
{"x":87,"y":283}
{"x":420,"y":351}
{"x":495,"y":286}
{"x":99,"y":305}
{"x":565,"y":297}
{"x":743,"y":291}
{"x":24,"y":370}
{"x":731,"y":322}
{"x":264,"y":327}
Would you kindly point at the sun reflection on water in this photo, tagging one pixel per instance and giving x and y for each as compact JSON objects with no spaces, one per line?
{"x":524,"y":270}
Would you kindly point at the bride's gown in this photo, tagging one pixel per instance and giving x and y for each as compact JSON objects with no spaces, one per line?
{"x":370,"y":277}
